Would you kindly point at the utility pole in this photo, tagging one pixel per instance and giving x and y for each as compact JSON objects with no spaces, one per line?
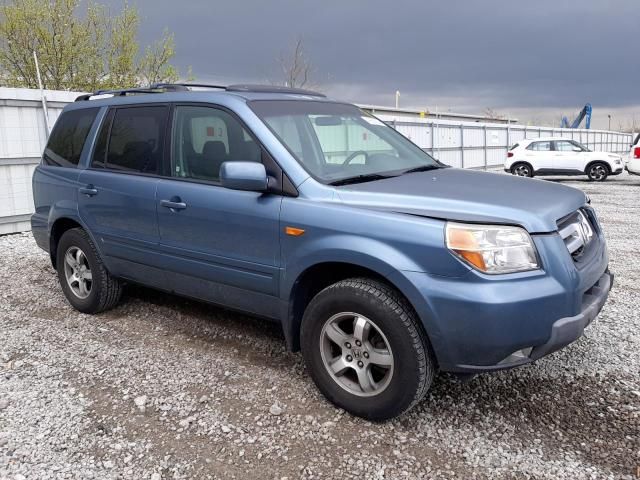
{"x":42,"y":95}
{"x":397,"y":99}
{"x":609,"y":122}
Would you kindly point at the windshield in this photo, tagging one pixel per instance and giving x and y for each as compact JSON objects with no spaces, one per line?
{"x":335,"y":142}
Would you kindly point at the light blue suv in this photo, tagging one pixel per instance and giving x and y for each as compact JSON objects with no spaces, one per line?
{"x":382,"y":264}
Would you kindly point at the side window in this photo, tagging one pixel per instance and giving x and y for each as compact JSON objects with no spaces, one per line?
{"x":540,"y":146}
{"x":136,"y":141}
{"x":204,"y":138}
{"x":564,"y":146}
{"x":100,"y":150}
{"x":68,"y":137}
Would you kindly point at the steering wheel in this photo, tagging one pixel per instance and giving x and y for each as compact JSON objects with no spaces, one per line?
{"x":353,"y":155}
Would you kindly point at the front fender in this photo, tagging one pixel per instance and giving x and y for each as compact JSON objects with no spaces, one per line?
{"x":368,"y":253}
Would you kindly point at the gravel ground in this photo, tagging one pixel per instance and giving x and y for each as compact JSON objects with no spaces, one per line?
{"x":162,"y":387}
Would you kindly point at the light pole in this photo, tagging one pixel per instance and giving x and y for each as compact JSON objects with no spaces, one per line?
{"x":609,"y":122}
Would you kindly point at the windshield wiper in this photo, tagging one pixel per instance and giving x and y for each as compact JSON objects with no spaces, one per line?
{"x":423,"y":168}
{"x":368,"y":177}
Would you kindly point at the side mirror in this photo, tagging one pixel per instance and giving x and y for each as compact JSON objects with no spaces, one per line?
{"x":248,"y":176}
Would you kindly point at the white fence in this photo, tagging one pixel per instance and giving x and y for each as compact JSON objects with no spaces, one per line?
{"x":461,"y":144}
{"x":482,"y":145}
{"x":22,"y":138}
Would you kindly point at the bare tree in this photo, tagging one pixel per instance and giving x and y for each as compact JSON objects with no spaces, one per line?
{"x":492,"y":114}
{"x":296,"y":67}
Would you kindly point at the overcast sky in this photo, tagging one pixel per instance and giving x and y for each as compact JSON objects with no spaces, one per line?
{"x":533,"y":59}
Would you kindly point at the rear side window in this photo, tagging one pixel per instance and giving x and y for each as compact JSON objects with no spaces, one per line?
{"x":540,"y":146}
{"x":68,"y":137}
{"x":132,"y":139}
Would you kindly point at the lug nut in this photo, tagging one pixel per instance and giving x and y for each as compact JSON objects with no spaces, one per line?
{"x":358,"y":342}
{"x":349,"y":358}
{"x":365,"y":354}
{"x":360,"y":364}
{"x":348,"y":345}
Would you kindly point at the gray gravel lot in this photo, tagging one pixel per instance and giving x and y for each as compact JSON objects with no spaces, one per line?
{"x":163,"y":387}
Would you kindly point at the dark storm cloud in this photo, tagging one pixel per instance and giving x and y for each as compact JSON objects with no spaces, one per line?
{"x":468,"y":54}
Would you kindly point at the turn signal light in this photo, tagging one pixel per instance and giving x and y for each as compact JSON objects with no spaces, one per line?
{"x":293,"y":231}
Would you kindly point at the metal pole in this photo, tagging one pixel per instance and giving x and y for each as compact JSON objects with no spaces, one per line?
{"x":43,"y":97}
{"x":485,"y":146}
{"x":461,"y":145}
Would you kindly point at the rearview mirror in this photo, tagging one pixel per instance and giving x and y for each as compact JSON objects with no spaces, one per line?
{"x":247,"y":176}
{"x":328,"y":121}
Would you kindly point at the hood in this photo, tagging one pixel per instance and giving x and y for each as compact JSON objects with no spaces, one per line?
{"x":470,"y":196}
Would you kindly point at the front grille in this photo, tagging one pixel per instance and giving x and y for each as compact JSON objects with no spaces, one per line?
{"x":576,"y":232}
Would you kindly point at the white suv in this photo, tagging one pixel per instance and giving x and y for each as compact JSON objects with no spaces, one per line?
{"x":560,"y":156}
{"x":633,"y":164}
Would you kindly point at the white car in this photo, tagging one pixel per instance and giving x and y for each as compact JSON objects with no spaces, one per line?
{"x":633,"y":164}
{"x":560,"y":156}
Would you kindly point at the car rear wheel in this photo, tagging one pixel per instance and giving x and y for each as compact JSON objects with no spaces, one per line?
{"x":522,"y":170}
{"x":597,"y":172}
{"x":83,"y":277}
{"x":365,"y":349}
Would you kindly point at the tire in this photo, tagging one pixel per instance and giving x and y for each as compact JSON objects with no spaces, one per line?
{"x":522,"y":169}
{"x":101,"y":291}
{"x":597,"y":172}
{"x":394,"y":339}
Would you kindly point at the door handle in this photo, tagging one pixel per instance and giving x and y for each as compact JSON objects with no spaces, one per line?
{"x":89,"y":190}
{"x":173,"y":204}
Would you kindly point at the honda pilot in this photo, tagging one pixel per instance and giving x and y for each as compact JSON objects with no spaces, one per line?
{"x":383,"y":265}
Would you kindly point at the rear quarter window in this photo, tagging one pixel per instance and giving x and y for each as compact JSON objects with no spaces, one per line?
{"x":68,"y":137}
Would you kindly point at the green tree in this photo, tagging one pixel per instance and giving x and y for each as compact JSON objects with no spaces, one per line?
{"x":78,"y":50}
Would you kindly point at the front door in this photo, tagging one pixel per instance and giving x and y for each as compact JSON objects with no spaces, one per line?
{"x":218,"y":244}
{"x":117,"y":194}
{"x":568,"y":157}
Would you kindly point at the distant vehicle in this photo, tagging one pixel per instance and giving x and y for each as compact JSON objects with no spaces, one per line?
{"x":633,"y":164}
{"x":560,"y":156}
{"x":382,"y":264}
{"x":584,"y":114}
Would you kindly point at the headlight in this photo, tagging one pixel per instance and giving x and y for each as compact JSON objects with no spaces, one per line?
{"x":492,"y":248}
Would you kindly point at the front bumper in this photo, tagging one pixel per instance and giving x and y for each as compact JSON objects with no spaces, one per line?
{"x":478,"y":323}
{"x":567,"y":330}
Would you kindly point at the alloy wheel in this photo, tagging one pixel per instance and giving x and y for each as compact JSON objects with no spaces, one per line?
{"x":77,"y":272}
{"x":522,"y":171}
{"x":597,"y":172}
{"x":356,"y":354}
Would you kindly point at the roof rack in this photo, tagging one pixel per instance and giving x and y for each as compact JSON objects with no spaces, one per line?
{"x":186,"y":87}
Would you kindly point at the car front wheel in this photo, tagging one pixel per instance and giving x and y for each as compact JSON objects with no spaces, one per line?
{"x":597,"y":172}
{"x":365,"y":349}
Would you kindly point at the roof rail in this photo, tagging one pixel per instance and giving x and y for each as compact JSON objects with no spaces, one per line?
{"x":272,"y":89}
{"x":117,"y":93}
{"x":185,"y":87}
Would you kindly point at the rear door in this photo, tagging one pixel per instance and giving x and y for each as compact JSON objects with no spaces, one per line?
{"x":217,"y":244}
{"x":539,"y":155}
{"x":117,"y":194}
